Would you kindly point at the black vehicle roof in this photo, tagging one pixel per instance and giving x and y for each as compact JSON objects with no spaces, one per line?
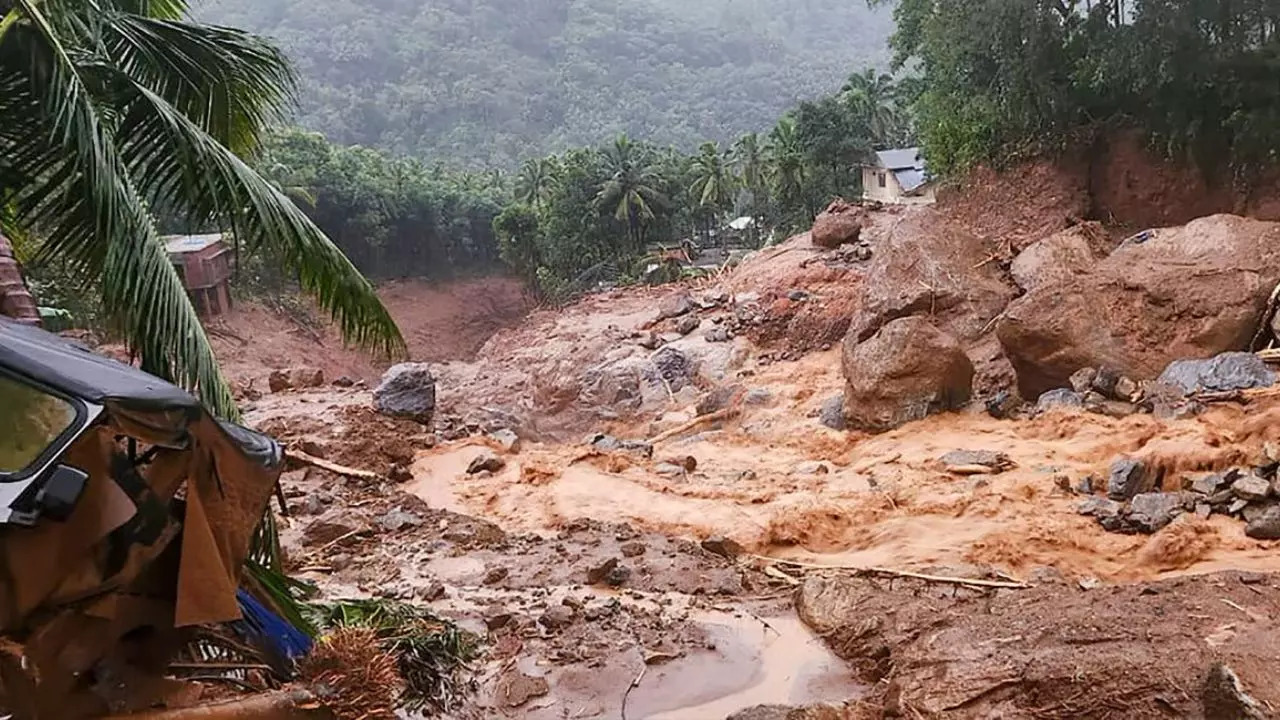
{"x":74,"y":370}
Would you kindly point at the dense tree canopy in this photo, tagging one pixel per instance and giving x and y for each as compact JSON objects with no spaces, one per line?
{"x":493,"y":82}
{"x":1002,"y":75}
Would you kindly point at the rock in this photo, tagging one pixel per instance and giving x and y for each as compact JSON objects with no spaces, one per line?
{"x":340,"y":561}
{"x":609,"y":443}
{"x":278,"y":381}
{"x":1129,"y":477}
{"x":632,"y":549}
{"x":558,"y":616}
{"x":598,"y":573}
{"x":907,"y":370}
{"x":1100,"y":507}
{"x":313,"y":504}
{"x":994,"y":462}
{"x":1086,"y":485}
{"x":718,"y":399}
{"x":758,"y":397}
{"x":1104,"y":382}
{"x":508,"y":439}
{"x":746,"y":298}
{"x":618,"y":576}
{"x":1126,"y":389}
{"x":929,"y":265}
{"x":797,"y":296}
{"x":1237,"y":506}
{"x":398,"y":473}
{"x":496,"y":575}
{"x":1222,"y":373}
{"x":1251,"y":488}
{"x":722,"y":546}
{"x":717,"y":335}
{"x":674,"y":367}
{"x":1149,"y":512}
{"x":832,"y":413}
{"x":1060,"y":257}
{"x":1266,"y":527}
{"x":1003,"y":405}
{"x":840,"y":224}
{"x":1082,"y":380}
{"x":407,"y":390}
{"x":515,"y":688}
{"x":811,"y":467}
{"x":344,"y":381}
{"x":498,"y":619}
{"x":650,"y":341}
{"x":303,"y":377}
{"x":326,"y":530}
{"x":688,"y":463}
{"x":1060,"y":399}
{"x":1112,"y":314}
{"x":1223,"y":697}
{"x":1210,"y":484}
{"x":397,"y":519}
{"x":687,"y":325}
{"x":486,"y":461}
{"x":1204,"y":510}
{"x":666,"y":469}
{"x":429,"y":592}
{"x":675,"y":305}
{"x":1256,"y":510}
{"x":764,"y":712}
{"x":314,"y":449}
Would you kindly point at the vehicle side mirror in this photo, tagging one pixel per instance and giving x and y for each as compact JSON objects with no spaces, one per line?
{"x":58,"y":496}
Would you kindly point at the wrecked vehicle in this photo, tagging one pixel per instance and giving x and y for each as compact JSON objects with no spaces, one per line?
{"x":127,"y":512}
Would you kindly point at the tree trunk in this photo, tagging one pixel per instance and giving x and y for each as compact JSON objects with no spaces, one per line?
{"x":15,"y":300}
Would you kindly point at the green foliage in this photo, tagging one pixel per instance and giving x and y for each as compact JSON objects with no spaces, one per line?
{"x":432,"y":654}
{"x":519,"y":239}
{"x":1000,"y":76}
{"x":492,"y":82}
{"x":112,"y":108}
{"x":394,"y":217}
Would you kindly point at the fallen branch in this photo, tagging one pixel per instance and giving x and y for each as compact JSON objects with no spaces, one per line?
{"x":898,"y":573}
{"x":694,"y":423}
{"x":291,"y":705}
{"x":634,"y":684}
{"x":332,"y":467}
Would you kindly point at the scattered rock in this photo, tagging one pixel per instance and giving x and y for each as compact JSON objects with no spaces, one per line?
{"x":618,"y":576}
{"x":1087,"y":485}
{"x":303,"y":377}
{"x":632,"y":549}
{"x":1003,"y":405}
{"x":687,"y":325}
{"x":906,"y":371}
{"x":278,"y":381}
{"x":1059,"y":398}
{"x":398,"y":473}
{"x":1203,"y":510}
{"x":1225,"y":372}
{"x":1265,"y":527}
{"x":558,"y":616}
{"x":1082,"y":380}
{"x":746,"y":298}
{"x":313,"y":504}
{"x":486,"y":461}
{"x":718,"y":399}
{"x":717,"y":335}
{"x":508,"y":439}
{"x":609,"y":443}
{"x":496,"y":575}
{"x":325,"y":531}
{"x":1129,"y":477}
{"x":1100,"y":508}
{"x":650,"y":341}
{"x":1251,"y":488}
{"x":688,"y":463}
{"x":840,"y":224}
{"x":722,"y":546}
{"x":515,"y":688}
{"x":757,"y":397}
{"x":429,"y":592}
{"x":1256,"y":510}
{"x":1223,"y":697}
{"x":397,"y":519}
{"x":1126,"y":389}
{"x":976,"y":462}
{"x":763,"y":712}
{"x":666,"y":469}
{"x":407,"y":390}
{"x":1237,"y":506}
{"x":811,"y":467}
{"x":344,"y":381}
{"x":498,"y":619}
{"x":1210,"y":484}
{"x":597,"y":574}
{"x":1149,"y":512}
{"x":832,"y":413}
{"x":314,"y":449}
{"x":675,"y":305}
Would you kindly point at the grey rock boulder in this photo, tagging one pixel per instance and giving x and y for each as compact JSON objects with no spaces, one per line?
{"x":1222,"y":373}
{"x":407,"y":390}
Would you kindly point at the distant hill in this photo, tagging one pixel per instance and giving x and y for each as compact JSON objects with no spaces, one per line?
{"x":490,"y":82}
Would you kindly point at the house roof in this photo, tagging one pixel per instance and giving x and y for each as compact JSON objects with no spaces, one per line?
{"x":907,"y":165}
{"x":179,"y":244}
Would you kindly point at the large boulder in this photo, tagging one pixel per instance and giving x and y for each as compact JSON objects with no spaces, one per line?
{"x":840,"y":224}
{"x":904,"y":372}
{"x":407,"y":390}
{"x":1061,"y":256}
{"x":1222,"y":373}
{"x":1187,"y":292}
{"x":929,"y":265}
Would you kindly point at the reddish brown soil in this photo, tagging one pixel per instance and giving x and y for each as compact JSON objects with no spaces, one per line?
{"x":440,"y":322}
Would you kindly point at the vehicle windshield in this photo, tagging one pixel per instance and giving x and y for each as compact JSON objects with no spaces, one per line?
{"x":30,"y":421}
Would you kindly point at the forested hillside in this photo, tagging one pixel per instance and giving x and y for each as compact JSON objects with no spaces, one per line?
{"x":492,"y":82}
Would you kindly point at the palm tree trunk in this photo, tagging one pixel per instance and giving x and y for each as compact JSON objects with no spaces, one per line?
{"x":15,"y":300}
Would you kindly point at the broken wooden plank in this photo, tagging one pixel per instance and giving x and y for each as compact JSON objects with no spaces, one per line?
{"x":332,"y":467}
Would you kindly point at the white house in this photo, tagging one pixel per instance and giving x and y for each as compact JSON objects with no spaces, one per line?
{"x":899,"y":177}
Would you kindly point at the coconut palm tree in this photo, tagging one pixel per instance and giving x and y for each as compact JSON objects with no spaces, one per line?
{"x":114,"y":110}
{"x":874,"y":97}
{"x":15,"y":300}
{"x":534,"y":181}
{"x":630,"y":193}
{"x":712,"y":187}
{"x":786,"y":164}
{"x":749,"y":160}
